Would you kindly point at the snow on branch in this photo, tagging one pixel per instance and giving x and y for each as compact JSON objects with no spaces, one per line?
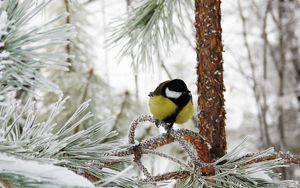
{"x":25,"y":44}
{"x":234,"y":169}
{"x":16,"y":172}
{"x":23,"y":135}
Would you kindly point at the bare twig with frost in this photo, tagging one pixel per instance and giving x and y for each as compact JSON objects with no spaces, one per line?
{"x":231,"y":170}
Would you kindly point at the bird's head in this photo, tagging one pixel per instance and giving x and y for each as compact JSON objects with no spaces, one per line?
{"x":175,"y":88}
{"x":171,"y":89}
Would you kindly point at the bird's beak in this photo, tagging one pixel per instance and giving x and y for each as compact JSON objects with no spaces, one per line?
{"x":151,"y":94}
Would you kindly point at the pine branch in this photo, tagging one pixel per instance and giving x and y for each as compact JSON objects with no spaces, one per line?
{"x":172,"y":175}
{"x":22,"y":135}
{"x":149,"y":29}
{"x":24,"y":46}
{"x":15,"y":172}
{"x":81,"y":83}
{"x":289,"y":158}
{"x":231,"y":170}
{"x":166,"y":156}
{"x":120,"y":179}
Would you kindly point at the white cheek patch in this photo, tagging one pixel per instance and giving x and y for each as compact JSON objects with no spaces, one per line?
{"x":173,"y":94}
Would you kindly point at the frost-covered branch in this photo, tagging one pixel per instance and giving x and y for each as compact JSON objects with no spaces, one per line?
{"x":288,"y":157}
{"x":15,"y":172}
{"x":82,"y":82}
{"x":231,"y":170}
{"x":25,"y":44}
{"x":24,"y":136}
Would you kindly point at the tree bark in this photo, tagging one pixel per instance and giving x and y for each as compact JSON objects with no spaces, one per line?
{"x":210,"y":75}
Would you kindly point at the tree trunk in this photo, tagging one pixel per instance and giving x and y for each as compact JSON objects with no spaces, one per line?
{"x":264,"y":108}
{"x":210,"y":75}
{"x":281,"y":74}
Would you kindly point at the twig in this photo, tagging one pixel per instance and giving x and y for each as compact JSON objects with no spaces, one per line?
{"x":194,"y":138}
{"x":122,"y":109}
{"x":165,"y":69}
{"x":147,"y":151}
{"x":144,"y":170}
{"x":88,"y":2}
{"x":134,"y":125}
{"x":171,"y":175}
{"x":288,"y":157}
{"x":202,"y":169}
{"x":181,"y":136}
{"x":187,"y":149}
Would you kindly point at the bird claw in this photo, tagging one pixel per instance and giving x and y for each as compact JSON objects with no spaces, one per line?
{"x":168,"y":127}
{"x":157,"y":123}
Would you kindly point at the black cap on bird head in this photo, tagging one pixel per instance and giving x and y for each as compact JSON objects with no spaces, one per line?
{"x":175,"y":89}
{"x":176,"y":85}
{"x":171,"y":89}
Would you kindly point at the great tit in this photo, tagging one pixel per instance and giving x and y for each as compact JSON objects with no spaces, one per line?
{"x":171,"y":102}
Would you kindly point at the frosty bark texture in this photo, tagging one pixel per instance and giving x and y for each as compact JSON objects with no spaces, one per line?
{"x":210,"y":76}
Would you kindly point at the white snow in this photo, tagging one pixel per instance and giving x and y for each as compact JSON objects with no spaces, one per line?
{"x":3,"y":23}
{"x":34,"y":169}
{"x":261,"y":175}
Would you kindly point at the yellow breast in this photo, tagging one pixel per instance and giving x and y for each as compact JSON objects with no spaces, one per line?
{"x":185,"y":114}
{"x":162,"y":107}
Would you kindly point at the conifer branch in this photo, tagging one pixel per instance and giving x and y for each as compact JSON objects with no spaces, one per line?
{"x":167,"y":157}
{"x":22,"y":135}
{"x":231,"y":170}
{"x":171,"y":176}
{"x":24,"y":46}
{"x":15,"y":172}
{"x":149,"y":29}
{"x":289,"y":158}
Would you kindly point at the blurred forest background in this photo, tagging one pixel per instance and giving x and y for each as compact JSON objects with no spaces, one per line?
{"x":261,"y":70}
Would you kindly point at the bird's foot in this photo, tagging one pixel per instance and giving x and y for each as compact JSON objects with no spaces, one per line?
{"x":157,"y":123}
{"x":168,"y":127}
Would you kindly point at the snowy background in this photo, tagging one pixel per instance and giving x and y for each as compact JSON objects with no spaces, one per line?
{"x":260,"y":105}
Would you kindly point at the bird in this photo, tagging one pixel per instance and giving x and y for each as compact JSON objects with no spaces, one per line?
{"x":171,"y":102}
